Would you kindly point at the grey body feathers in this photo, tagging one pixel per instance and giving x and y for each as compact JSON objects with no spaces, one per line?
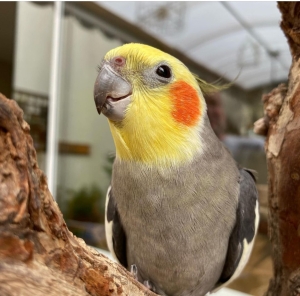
{"x":176,"y":224}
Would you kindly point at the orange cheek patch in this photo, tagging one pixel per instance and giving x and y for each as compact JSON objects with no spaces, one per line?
{"x":186,"y":103}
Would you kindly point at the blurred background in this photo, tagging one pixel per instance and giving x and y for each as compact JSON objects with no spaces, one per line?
{"x":49,"y":53}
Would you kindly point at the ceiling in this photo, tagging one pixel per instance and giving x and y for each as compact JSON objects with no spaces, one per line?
{"x":232,"y":39}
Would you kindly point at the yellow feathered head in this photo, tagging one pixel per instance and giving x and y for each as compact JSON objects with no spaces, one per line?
{"x":154,"y":105}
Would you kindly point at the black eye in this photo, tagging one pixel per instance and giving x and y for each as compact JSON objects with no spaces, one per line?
{"x":163,"y":71}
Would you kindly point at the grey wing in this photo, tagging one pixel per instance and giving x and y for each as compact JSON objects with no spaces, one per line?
{"x":115,"y":234}
{"x":242,"y":237}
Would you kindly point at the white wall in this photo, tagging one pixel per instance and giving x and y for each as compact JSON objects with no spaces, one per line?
{"x":33,"y":47}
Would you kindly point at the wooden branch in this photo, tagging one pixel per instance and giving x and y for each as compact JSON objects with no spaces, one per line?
{"x":282,"y":126}
{"x":290,"y":25}
{"x":38,"y":254}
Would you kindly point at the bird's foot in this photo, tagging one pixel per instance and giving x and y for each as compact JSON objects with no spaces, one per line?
{"x":147,"y":283}
{"x":134,"y":271}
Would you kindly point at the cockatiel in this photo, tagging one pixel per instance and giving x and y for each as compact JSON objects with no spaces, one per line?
{"x":179,"y":212}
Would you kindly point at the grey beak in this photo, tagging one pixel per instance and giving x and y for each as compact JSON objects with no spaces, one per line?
{"x":109,"y":89}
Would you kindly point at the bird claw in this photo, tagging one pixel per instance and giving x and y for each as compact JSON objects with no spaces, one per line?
{"x":147,"y":283}
{"x":134,"y":271}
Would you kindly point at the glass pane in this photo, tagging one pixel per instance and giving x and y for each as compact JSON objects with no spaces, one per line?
{"x":85,"y":142}
{"x":32,"y":69}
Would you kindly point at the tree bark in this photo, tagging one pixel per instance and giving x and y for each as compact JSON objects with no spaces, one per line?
{"x":38,"y":254}
{"x":282,"y":126}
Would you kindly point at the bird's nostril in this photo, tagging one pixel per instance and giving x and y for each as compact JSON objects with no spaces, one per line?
{"x":119,"y":61}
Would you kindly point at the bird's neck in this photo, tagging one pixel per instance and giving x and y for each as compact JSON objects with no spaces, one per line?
{"x":156,"y":143}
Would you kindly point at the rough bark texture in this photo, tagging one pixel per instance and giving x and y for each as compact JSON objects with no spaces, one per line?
{"x":38,"y":254}
{"x":281,"y":124}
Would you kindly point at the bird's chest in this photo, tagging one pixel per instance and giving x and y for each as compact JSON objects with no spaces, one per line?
{"x":173,"y":225}
{"x":161,"y":236}
{"x":158,"y":203}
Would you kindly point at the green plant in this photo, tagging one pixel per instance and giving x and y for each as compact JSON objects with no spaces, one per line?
{"x":86,"y":204}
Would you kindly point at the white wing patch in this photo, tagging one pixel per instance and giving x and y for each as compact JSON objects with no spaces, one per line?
{"x":109,"y":227}
{"x":246,"y":252}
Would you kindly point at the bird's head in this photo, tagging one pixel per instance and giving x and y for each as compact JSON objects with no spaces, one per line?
{"x":153,"y":103}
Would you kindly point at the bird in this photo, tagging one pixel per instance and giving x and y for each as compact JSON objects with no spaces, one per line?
{"x":181,"y":214}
